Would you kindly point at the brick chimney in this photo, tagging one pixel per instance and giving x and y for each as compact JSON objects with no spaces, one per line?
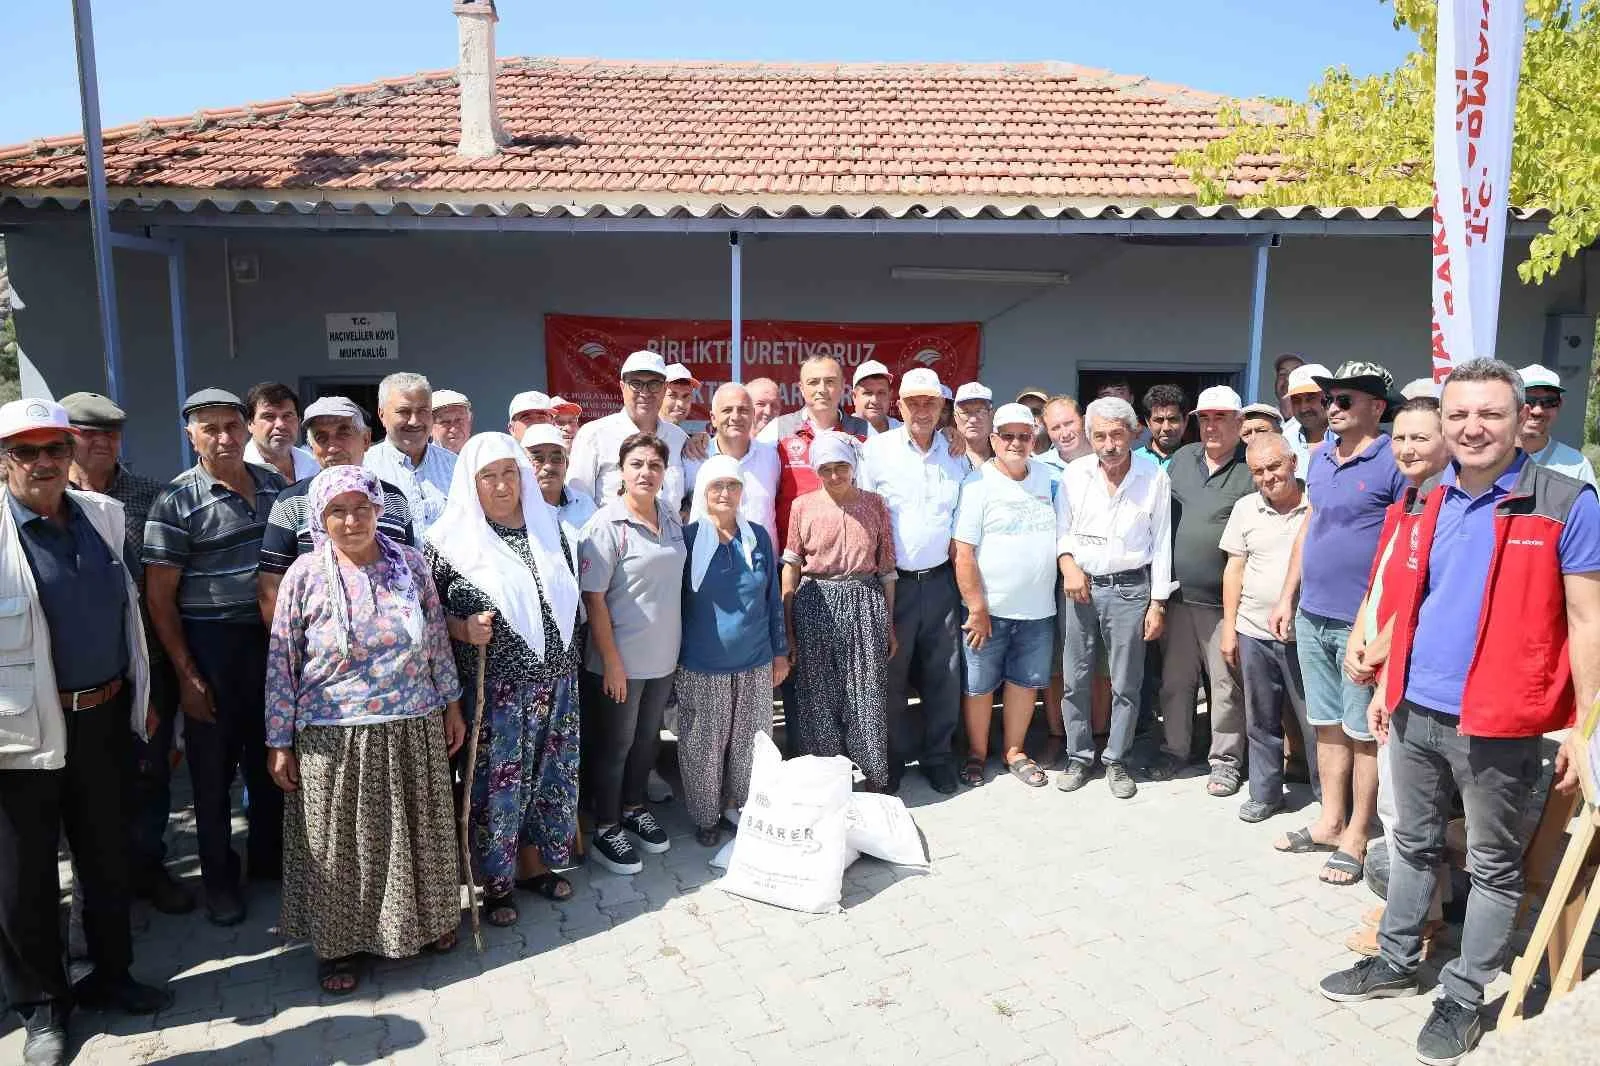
{"x":481,"y":132}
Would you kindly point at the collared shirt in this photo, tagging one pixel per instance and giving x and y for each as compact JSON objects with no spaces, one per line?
{"x":1163,"y":461}
{"x":595,"y":449}
{"x":213,"y":535}
{"x":872,"y":431}
{"x":425,"y":485}
{"x":1011,"y":525}
{"x":1106,"y":531}
{"x":641,"y":574}
{"x":305,"y":464}
{"x":1295,"y":434}
{"x":921,"y":490}
{"x":1565,"y":459}
{"x":576,"y":509}
{"x":1347,"y":504}
{"x":1202,"y":500}
{"x":734,"y":621}
{"x":1458,"y":571}
{"x":136,"y":493}
{"x":759,"y":501}
{"x":788,"y":425}
{"x":83,"y":591}
{"x":288,"y":532}
{"x":1263,"y":537}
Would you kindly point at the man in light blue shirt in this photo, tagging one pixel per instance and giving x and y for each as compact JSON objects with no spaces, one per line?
{"x":1545,"y":394}
{"x":408,"y":458}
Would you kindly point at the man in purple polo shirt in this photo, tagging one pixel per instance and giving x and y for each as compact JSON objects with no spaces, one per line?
{"x":1477,"y":672}
{"x":1351,"y":480}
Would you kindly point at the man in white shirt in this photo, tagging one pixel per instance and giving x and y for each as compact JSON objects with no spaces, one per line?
{"x":974,"y":421}
{"x":733,"y":416}
{"x":595,"y":448}
{"x":274,"y":425}
{"x":1545,"y":395}
{"x":1114,"y":517}
{"x":407,"y":457}
{"x":1005,"y":557}
{"x":920,"y":481}
{"x":872,"y":393}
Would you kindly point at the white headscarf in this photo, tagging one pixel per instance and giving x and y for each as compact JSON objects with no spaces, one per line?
{"x":832,"y":448}
{"x":462,"y":535}
{"x":716,"y":468}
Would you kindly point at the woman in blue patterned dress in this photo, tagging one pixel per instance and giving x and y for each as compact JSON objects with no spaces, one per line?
{"x":505,"y":574}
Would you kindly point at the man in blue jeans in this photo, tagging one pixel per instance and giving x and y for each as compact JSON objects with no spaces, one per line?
{"x":1496,"y":642}
{"x":1351,"y":480}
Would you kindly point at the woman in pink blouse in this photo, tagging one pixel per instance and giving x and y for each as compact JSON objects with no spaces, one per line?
{"x":838,"y":596}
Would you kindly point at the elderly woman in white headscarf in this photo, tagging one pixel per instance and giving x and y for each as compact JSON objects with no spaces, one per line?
{"x":838,"y":594}
{"x":363,"y":713}
{"x":507,"y":577}
{"x":735,"y":648}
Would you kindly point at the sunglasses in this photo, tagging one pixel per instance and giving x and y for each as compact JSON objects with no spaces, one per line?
{"x":1015,"y":438}
{"x":1341,"y":400}
{"x":29,"y":453}
{"x":1548,"y":403}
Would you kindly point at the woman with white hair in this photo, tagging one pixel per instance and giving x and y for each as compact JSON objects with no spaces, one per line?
{"x":735,"y":648}
{"x":505,"y":573}
{"x":838,"y":594}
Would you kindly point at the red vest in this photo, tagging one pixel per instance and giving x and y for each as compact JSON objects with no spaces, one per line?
{"x":795,"y":476}
{"x":1520,"y":681}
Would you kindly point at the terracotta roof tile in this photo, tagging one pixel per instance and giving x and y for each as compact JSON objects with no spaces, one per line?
{"x":1032,"y":131}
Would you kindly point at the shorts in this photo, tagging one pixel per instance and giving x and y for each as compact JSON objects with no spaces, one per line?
{"x":1331,"y":698}
{"x":1017,"y":651}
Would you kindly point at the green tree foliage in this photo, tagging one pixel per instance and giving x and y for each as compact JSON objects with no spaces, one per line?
{"x":8,"y":339}
{"x":1362,"y":141}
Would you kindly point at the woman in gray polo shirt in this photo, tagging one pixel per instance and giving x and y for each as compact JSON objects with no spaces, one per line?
{"x":631,"y":573}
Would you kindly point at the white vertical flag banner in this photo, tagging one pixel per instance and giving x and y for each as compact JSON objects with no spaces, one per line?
{"x":1475,"y":107}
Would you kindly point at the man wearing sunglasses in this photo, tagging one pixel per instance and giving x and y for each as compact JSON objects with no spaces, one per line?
{"x":77,"y":683}
{"x":1351,"y":480}
{"x":1545,"y":394}
{"x":593,"y":469}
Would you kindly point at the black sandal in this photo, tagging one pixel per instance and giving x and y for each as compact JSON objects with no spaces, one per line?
{"x":972,"y":772}
{"x":549,"y":885}
{"x":439,"y":947}
{"x":493,"y":905}
{"x":1027,"y":771}
{"x":331,"y":970}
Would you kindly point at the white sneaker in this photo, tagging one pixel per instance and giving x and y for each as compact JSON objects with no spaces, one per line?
{"x":657,"y":789}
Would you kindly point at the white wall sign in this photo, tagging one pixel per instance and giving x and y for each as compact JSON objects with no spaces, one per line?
{"x":362,"y":336}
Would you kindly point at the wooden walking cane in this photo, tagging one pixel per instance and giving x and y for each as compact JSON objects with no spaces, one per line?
{"x":466,"y":802}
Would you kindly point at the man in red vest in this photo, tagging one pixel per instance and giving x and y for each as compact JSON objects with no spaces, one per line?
{"x":1496,"y":642}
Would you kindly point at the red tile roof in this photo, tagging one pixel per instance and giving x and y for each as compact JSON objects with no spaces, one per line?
{"x":588,"y":131}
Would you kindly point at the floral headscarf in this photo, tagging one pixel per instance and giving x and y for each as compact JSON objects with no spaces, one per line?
{"x":327,"y":486}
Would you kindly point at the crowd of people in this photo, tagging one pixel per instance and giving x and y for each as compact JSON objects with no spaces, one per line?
{"x":496,"y":626}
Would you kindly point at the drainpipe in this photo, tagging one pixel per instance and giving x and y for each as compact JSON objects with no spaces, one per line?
{"x":736,"y":310}
{"x":99,"y":215}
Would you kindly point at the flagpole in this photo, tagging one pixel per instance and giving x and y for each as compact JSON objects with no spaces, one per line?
{"x":99,"y":214}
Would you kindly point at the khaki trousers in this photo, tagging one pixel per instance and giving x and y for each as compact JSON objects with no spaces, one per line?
{"x":1192,"y":644}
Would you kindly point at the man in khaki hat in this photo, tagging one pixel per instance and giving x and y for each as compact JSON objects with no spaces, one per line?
{"x":452,"y":420}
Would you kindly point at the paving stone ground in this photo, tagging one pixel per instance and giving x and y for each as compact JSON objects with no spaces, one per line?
{"x":1050,"y":928}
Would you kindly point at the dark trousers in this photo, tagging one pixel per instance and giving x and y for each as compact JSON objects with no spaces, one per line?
{"x":149,"y":785}
{"x":232,"y":657}
{"x":1271,"y":672}
{"x":627,"y":740}
{"x":1149,"y":691}
{"x":85,"y":798}
{"x":927,"y":623}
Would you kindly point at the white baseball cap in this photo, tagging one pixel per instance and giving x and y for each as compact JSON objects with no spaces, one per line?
{"x":1265,"y":410}
{"x":1421,"y":387}
{"x":644,"y":362}
{"x":972,"y":390}
{"x":1535,"y":376}
{"x":679,"y":372}
{"x":1218,"y":398}
{"x":544,"y":433}
{"x":920,"y":382}
{"x":28,"y":416}
{"x":526,"y":401}
{"x":450,"y":398}
{"x":1011,"y":414}
{"x":870,"y":369}
{"x":1301,"y":379}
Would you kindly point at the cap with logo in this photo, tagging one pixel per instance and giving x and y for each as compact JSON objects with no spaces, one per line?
{"x":90,"y":410}
{"x":544,"y":433}
{"x":450,"y":398}
{"x":1534,"y":376}
{"x":526,"y":401}
{"x":33,"y":416}
{"x":1217,"y":398}
{"x":1013,"y":414}
{"x":1263,"y":410}
{"x":1360,"y":375}
{"x":335,"y":407}
{"x":973,"y":390}
{"x":644,"y":362}
{"x":870,"y":369}
{"x":564,"y":407}
{"x":1303,"y":379}
{"x":213,"y":398}
{"x":677,"y":372}
{"x":920,"y":382}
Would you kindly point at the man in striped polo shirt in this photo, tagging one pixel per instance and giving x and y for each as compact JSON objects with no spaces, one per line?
{"x":202,"y":545}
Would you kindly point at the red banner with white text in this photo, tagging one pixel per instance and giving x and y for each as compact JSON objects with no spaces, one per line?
{"x":584,"y":354}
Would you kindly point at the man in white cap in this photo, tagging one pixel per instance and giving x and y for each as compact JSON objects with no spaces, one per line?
{"x":1545,"y":394}
{"x":677,"y":402}
{"x":566,"y":414}
{"x":337,"y":434}
{"x":531,"y":408}
{"x":407,"y":456}
{"x":732,"y":422}
{"x":547,"y":451}
{"x":1258,"y":418}
{"x":974,"y":421}
{"x":452,"y":420}
{"x":77,"y":695}
{"x":913,"y":469}
{"x":1309,"y":425}
{"x":1208,"y":478}
{"x":593,"y":466}
{"x":872,"y":394}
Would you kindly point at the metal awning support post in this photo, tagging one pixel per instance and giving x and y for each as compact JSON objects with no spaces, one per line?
{"x":736,"y":308}
{"x":177,"y":277}
{"x":1258,"y":318}
{"x":99,"y":216}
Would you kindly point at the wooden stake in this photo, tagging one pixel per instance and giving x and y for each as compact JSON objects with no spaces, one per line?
{"x":466,"y":802}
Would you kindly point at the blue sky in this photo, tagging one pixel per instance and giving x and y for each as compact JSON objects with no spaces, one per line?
{"x":171,"y":57}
